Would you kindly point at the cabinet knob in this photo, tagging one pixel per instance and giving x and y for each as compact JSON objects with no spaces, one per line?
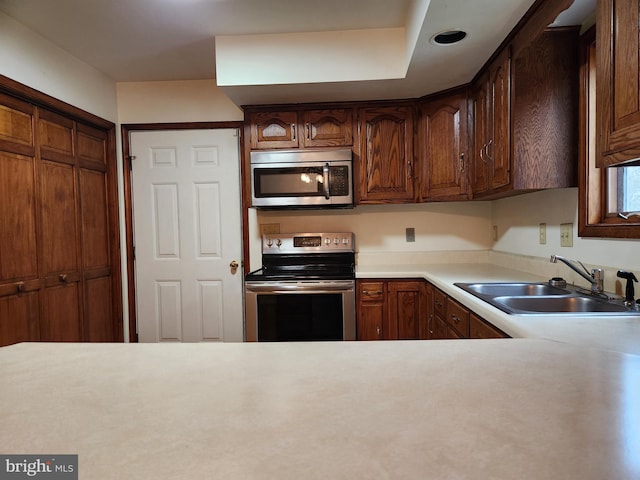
{"x":378,"y":331}
{"x":62,"y":277}
{"x":20,"y":286}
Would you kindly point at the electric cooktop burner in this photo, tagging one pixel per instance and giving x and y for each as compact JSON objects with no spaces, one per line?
{"x":306,"y":256}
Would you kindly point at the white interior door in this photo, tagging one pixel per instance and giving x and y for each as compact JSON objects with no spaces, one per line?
{"x":187,"y":230}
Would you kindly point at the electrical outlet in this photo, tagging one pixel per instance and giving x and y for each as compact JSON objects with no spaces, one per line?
{"x":566,"y":234}
{"x":410,"y":234}
{"x":543,"y":234}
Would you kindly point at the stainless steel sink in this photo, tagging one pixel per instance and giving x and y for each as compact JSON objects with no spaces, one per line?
{"x":511,"y":289}
{"x":563,"y":304}
{"x":544,"y":299}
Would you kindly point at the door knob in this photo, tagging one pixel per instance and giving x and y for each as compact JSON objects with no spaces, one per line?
{"x":234,"y":266}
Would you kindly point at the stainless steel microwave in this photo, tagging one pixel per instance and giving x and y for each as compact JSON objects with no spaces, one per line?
{"x":302,"y":178}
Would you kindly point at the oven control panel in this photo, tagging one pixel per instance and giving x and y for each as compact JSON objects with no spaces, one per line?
{"x":308,"y":242}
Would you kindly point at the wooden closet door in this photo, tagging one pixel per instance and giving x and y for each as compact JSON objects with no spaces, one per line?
{"x":19,"y":282}
{"x":62,"y":295}
{"x":94,"y":228}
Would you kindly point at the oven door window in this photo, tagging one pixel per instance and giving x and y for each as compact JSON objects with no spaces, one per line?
{"x":288,"y":182}
{"x":308,"y":317}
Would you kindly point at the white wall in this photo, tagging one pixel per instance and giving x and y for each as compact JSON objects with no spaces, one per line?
{"x":518,"y":220}
{"x":28,"y":58}
{"x":439,"y":227}
{"x":177,"y":101}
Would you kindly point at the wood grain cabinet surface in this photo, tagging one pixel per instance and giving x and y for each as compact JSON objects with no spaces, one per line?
{"x":56,"y":246}
{"x":492,"y":133}
{"x":392,"y":309}
{"x":617,"y":82}
{"x":300,"y":128}
{"x":443,"y":147}
{"x":386,"y":160}
{"x":525,"y":113}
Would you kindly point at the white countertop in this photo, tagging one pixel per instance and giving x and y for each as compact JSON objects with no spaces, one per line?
{"x":477,"y":409}
{"x":618,"y":333}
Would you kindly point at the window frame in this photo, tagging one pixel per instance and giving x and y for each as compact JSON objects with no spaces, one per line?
{"x":593,"y":219}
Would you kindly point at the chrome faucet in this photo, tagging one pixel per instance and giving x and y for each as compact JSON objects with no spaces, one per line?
{"x":595,"y":277}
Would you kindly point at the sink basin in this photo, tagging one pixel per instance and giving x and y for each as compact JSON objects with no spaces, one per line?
{"x":543,"y":299}
{"x":511,"y":289}
{"x":564,"y":304}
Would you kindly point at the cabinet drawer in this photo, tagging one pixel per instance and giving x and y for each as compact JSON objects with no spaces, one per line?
{"x":371,"y":291}
{"x":458,"y":317}
{"x":478,"y":328}
{"x":439,"y":303}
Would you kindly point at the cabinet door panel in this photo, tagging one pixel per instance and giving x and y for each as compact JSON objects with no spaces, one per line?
{"x":328,"y":128}
{"x":59,"y":227}
{"x":371,"y":316}
{"x":617,"y":82}
{"x":500,"y":141}
{"x":386,"y":149}
{"x":61,"y":314}
{"x":444,"y":131}
{"x":479,"y":182}
{"x":98,"y":315}
{"x":404,"y":310}
{"x":95,"y":231}
{"x":19,"y":319}
{"x":274,"y":130}
{"x":18,"y":256}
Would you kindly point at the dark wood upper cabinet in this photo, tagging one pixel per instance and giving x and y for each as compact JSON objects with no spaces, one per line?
{"x":301,"y":128}
{"x":443,"y":138}
{"x":618,"y":82}
{"x":278,"y":129}
{"x":386,"y":163}
{"x":327,"y":128}
{"x":492,"y":134}
{"x":492,"y":113}
{"x":545,"y":112}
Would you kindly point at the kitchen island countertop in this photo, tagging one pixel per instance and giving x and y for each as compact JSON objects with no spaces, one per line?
{"x":483,"y":409}
{"x":618,"y":333}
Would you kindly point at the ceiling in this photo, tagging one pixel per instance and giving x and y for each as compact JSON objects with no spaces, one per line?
{"x":163,"y":40}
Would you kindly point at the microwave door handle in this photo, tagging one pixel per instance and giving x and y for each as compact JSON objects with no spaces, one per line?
{"x":325,"y":180}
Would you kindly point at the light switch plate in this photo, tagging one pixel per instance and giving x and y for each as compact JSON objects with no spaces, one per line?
{"x":543,"y":234}
{"x":566,"y":234}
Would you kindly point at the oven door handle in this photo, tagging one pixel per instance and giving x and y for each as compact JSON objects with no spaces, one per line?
{"x":299,"y":288}
{"x":325,"y":181}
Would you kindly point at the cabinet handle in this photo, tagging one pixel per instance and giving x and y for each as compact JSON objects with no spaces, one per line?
{"x":378,"y":331}
{"x":488,"y":145}
{"x":308,"y":128}
{"x":482,"y":154}
{"x":367,"y":292}
{"x":62,"y":277}
{"x":410,"y":174}
{"x":455,"y":319}
{"x":438,"y":303}
{"x":20,"y":287}
{"x":293,"y":131}
{"x":462,"y":162}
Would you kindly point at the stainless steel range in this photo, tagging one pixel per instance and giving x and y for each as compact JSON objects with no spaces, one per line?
{"x":305,"y":290}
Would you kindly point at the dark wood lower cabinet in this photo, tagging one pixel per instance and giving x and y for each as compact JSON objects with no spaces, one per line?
{"x":392,"y":310}
{"x":414,"y":310}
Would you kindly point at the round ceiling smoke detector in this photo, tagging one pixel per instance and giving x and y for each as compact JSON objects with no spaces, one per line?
{"x":448,"y":37}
